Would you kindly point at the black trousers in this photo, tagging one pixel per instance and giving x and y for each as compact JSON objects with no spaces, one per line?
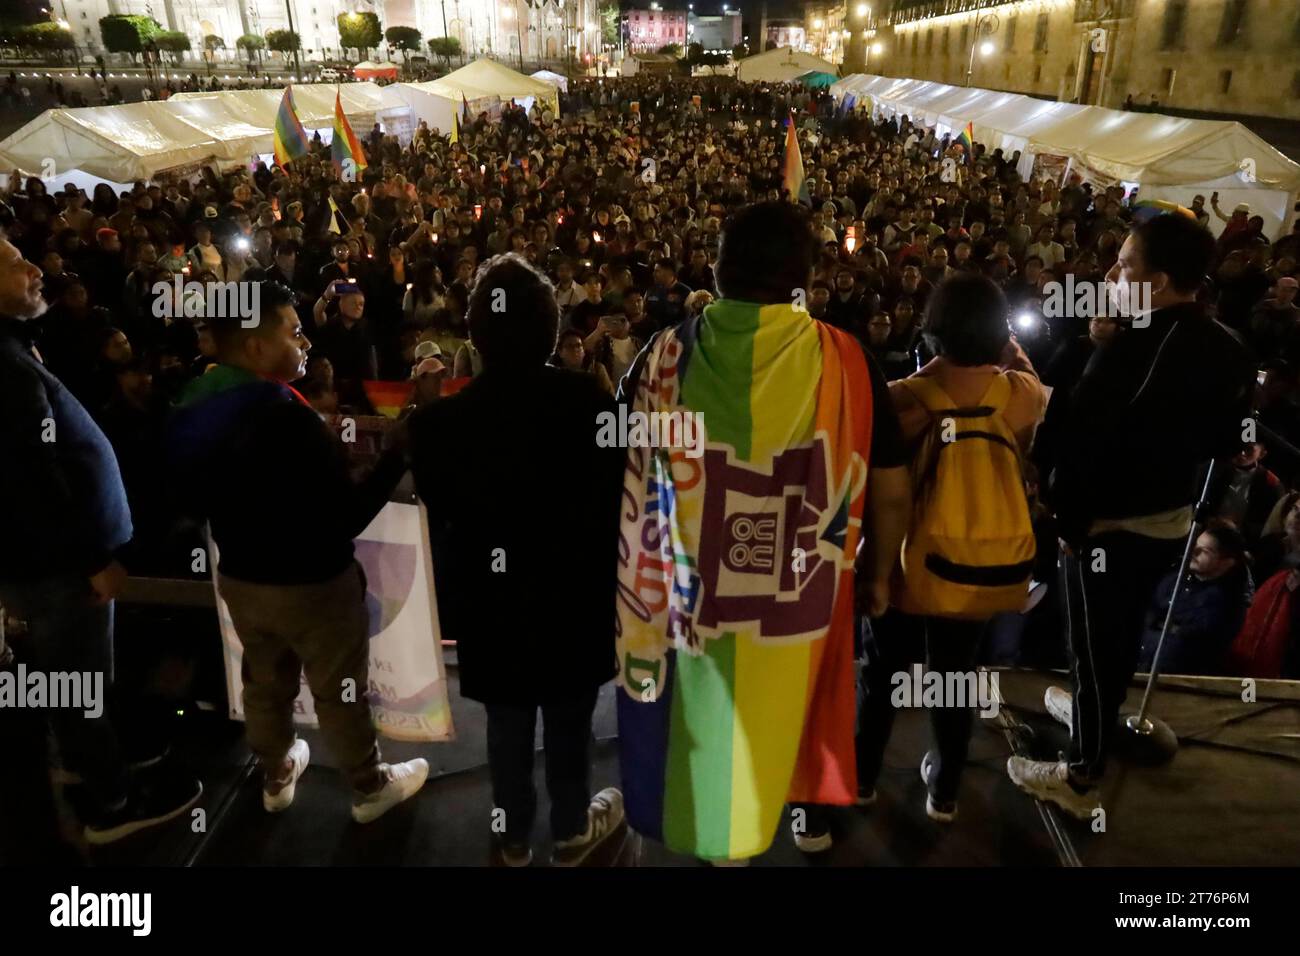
{"x":891,"y":647}
{"x":1106,"y":585}
{"x":566,"y":738}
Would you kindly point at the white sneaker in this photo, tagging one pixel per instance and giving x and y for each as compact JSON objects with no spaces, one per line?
{"x":277,"y":795}
{"x":1049,"y":780}
{"x":404,"y":782}
{"x":604,"y":815}
{"x":1060,"y":704}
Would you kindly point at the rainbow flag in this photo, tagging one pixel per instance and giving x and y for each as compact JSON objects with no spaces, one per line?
{"x":345,"y":145}
{"x":388,"y":398}
{"x":967,"y":140}
{"x":793,"y":179}
{"x":464,"y":110}
{"x":735,"y":604}
{"x":290,"y":138}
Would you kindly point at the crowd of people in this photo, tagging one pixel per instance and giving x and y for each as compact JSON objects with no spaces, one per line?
{"x":917,"y":251}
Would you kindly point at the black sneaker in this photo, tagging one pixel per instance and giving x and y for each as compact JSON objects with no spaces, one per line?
{"x":942,"y":811}
{"x":153,"y":802}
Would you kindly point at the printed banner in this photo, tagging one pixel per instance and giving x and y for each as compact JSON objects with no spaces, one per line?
{"x":408,"y":681}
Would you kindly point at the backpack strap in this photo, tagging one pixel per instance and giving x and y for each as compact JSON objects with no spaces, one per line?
{"x":928,"y":392}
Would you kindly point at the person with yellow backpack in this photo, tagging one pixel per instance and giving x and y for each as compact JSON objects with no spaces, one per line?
{"x":968,"y":418}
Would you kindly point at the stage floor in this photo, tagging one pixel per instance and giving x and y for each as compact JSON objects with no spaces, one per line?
{"x":1231,"y":796}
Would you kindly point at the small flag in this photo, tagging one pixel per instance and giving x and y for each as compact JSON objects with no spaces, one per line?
{"x":464,"y":109}
{"x":290,"y":137}
{"x":793,"y":180}
{"x":455,"y":130}
{"x":338,"y":224}
{"x":345,"y":145}
{"x":388,"y":398}
{"x":967,"y":140}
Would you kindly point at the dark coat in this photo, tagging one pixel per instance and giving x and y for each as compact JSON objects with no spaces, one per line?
{"x":511,"y":463}
{"x":63,"y":508}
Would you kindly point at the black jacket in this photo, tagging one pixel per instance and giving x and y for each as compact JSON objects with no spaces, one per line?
{"x":512,"y":477}
{"x":63,"y":508}
{"x":271,"y":478}
{"x":1148,"y":412}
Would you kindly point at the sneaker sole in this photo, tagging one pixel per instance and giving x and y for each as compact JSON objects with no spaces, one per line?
{"x":1081,"y":813}
{"x":814,"y":844}
{"x":284,"y":799}
{"x":369,"y":813}
{"x":105,"y":837}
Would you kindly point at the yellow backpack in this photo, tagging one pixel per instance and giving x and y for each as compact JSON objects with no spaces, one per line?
{"x":969,"y":551}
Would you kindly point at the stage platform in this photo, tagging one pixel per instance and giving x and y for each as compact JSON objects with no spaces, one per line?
{"x":1231,"y":796}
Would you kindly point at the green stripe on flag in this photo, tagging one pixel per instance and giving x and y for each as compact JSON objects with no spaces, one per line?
{"x":697,"y":791}
{"x":720,"y":371}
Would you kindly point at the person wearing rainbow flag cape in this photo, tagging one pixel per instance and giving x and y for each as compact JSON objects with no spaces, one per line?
{"x":736,"y":568}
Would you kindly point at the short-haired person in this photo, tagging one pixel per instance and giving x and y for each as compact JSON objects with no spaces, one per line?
{"x":64,"y":520}
{"x":977,"y":364}
{"x":721,"y":631}
{"x":523,"y":429}
{"x":242,"y":439}
{"x":1167,"y":395}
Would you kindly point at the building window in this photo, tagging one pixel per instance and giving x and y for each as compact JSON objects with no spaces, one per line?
{"x":1009,"y":43}
{"x":1225,"y":81}
{"x":1040,"y":33}
{"x":1233,"y":22}
{"x":1171,"y":34}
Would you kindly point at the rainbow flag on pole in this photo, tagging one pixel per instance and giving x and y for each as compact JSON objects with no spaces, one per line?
{"x":345,"y":145}
{"x":967,"y":140}
{"x":793,"y":180}
{"x":290,"y":137}
{"x":735,"y":605}
{"x":455,"y":131}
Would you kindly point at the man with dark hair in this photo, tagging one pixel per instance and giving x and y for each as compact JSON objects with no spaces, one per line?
{"x":665,"y":300}
{"x":242,"y":438}
{"x":64,"y":520}
{"x":1168,"y":395}
{"x":713,"y":631}
{"x":499,"y":576}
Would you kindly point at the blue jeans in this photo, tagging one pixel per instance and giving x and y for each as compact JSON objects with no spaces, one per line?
{"x":70,"y":633}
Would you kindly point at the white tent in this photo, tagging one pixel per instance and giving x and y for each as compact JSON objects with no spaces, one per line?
{"x":482,"y":82}
{"x":120,"y":144}
{"x":783,"y":65}
{"x":1168,"y":157}
{"x":555,"y":79}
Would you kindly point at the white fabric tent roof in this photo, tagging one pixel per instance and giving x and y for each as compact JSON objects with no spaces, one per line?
{"x":782,"y":65}
{"x":482,"y":83}
{"x":138,"y":140}
{"x":555,"y":79}
{"x":1148,"y":148}
{"x":1170,"y":157}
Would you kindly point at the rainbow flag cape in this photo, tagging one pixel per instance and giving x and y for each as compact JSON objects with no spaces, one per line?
{"x":345,"y":145}
{"x":290,"y":138}
{"x":793,"y":180}
{"x":388,"y":398}
{"x":735,"y":604}
{"x":967,"y":140}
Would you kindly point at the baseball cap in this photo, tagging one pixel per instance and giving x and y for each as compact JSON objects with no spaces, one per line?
{"x":429,"y":366}
{"x":427,"y":350}
{"x":1242,"y":207}
{"x":209,"y":212}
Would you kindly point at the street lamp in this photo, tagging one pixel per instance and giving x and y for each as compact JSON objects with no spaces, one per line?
{"x":985,"y":24}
